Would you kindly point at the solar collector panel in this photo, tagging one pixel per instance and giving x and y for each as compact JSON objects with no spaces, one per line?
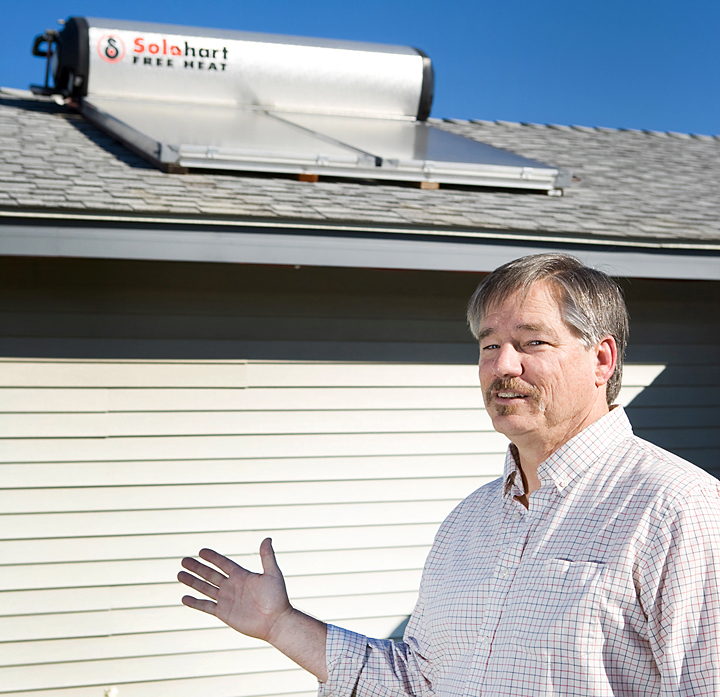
{"x":204,"y":135}
{"x":415,"y":148}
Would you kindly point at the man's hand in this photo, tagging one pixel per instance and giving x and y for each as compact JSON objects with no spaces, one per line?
{"x":256,"y":605}
{"x":250,"y":603}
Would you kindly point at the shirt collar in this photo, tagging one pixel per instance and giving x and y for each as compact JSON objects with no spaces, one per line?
{"x":574,"y":458}
{"x":511,"y":473}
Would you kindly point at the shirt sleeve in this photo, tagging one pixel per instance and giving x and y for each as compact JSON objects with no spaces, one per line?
{"x":362,"y":667}
{"x":680,"y":593}
{"x":359,"y":666}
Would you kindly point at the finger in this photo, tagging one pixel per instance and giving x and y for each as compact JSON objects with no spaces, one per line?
{"x":267,"y":556}
{"x":206,"y":606}
{"x":214,"y":577}
{"x":197,"y":584}
{"x":222,"y":563}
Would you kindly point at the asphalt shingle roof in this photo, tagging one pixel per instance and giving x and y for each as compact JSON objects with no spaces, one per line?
{"x":633,"y":185}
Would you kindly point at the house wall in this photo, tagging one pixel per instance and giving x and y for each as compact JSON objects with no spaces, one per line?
{"x":677,"y":324}
{"x":150,"y":409}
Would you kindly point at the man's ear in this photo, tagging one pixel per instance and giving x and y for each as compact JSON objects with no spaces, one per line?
{"x":606,"y":355}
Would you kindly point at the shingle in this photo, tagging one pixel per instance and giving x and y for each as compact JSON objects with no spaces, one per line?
{"x":640,"y":184}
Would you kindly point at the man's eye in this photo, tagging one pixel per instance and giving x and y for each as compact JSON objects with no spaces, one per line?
{"x":536,"y":342}
{"x":490,"y":346}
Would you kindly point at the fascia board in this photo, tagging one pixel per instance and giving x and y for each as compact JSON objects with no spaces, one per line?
{"x":341,"y":246}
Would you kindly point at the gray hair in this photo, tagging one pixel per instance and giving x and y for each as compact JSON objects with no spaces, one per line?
{"x":591,"y":304}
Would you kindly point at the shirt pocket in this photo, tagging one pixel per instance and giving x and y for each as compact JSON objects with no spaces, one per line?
{"x":556,"y":609}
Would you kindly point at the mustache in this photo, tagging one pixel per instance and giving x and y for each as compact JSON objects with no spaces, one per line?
{"x":511,"y":385}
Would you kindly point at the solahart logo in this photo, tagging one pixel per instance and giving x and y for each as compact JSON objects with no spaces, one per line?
{"x":163,"y":52}
{"x":111,"y":48}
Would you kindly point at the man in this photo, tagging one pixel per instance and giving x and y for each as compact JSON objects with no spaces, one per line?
{"x":590,"y":568}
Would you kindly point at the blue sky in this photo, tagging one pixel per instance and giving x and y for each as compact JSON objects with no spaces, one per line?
{"x":617,"y":63}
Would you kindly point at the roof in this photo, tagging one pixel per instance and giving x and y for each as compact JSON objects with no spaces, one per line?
{"x":638,"y":190}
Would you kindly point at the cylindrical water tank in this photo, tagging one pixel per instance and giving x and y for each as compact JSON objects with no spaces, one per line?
{"x":127,"y":60}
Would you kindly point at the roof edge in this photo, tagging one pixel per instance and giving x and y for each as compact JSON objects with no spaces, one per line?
{"x":331,"y":246}
{"x":50,"y":216}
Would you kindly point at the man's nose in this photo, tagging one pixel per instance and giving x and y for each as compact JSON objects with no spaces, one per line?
{"x":508,"y":362}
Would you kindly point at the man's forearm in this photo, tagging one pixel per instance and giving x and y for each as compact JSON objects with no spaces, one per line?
{"x":302,"y":638}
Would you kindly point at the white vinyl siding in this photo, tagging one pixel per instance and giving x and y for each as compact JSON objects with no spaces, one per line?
{"x":114,"y":470}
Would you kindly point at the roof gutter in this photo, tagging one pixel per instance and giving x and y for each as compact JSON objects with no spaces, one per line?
{"x":306,"y":243}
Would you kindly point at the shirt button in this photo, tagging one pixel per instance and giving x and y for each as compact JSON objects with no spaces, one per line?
{"x":485,"y":642}
{"x":504,"y":571}
{"x":517,"y":515}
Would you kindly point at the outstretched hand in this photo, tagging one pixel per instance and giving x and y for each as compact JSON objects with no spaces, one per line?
{"x":253,"y":604}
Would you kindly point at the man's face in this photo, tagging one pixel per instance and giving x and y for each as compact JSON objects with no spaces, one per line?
{"x":539,"y":382}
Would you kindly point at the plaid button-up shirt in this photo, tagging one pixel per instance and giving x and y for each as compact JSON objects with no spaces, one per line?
{"x":606,"y":585}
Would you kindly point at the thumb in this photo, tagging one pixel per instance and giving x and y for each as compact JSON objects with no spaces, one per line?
{"x":267,"y":557}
